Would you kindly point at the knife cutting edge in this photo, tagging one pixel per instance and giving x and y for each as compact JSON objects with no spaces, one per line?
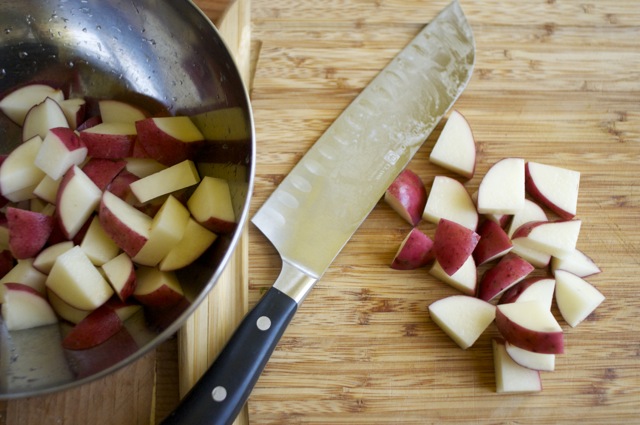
{"x":329,"y":193}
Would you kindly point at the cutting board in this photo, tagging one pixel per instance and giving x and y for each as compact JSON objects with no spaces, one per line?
{"x":555,"y":82}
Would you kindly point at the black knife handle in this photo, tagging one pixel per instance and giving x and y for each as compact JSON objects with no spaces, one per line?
{"x":218,"y":396}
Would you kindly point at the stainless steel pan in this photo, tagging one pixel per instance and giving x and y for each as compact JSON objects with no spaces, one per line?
{"x":165,"y":55}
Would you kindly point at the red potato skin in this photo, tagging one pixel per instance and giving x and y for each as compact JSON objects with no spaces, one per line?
{"x":160,"y":299}
{"x":108,"y":146}
{"x":119,"y":186}
{"x":28,"y":232}
{"x":137,"y":151}
{"x":100,"y":325}
{"x":507,"y":272}
{"x":130,"y":285}
{"x":493,"y":242}
{"x":538,"y":342}
{"x":162,"y":147}
{"x":14,"y":286}
{"x":416,"y":251}
{"x":512,"y":294}
{"x":219,"y":226}
{"x":524,"y":230}
{"x":130,"y":241}
{"x":410,"y":193}
{"x":89,"y":122}
{"x":453,"y":244}
{"x":88,"y":362}
{"x":102,"y":171}
{"x":68,"y":137}
{"x":535,"y":193}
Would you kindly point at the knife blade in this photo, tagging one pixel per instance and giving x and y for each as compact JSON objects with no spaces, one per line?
{"x":329,"y":193}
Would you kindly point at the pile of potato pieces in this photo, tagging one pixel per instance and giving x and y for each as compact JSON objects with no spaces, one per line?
{"x":504,"y":227}
{"x":98,"y":212}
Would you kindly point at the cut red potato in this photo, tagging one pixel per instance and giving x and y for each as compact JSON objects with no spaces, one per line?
{"x":43,"y":117}
{"x":17,"y":103}
{"x":211,"y":205}
{"x":455,"y":148}
{"x":25,"y":273}
{"x":77,"y":281}
{"x":64,"y":310}
{"x":119,"y":186}
{"x":157,"y":289}
{"x":89,"y":122}
{"x":501,"y":219}
{"x":534,"y":288}
{"x":407,"y":196}
{"x":109,"y":140}
{"x":453,"y":244}
{"x":462,"y":318}
{"x":98,"y":326}
{"x":195,"y":241}
{"x":510,"y":376}
{"x":510,"y":270}
{"x":554,"y":187}
{"x":536,"y":258}
{"x":18,"y":173}
{"x":124,"y":309}
{"x":577,"y":263}
{"x":121,"y":274}
{"x":179,"y":176}
{"x":117,"y":111}
{"x":530,"y":212}
{"x":102,"y":171}
{"x":225,"y":124}
{"x":77,"y":198}
{"x":127,"y":226}
{"x":47,"y":189}
{"x":169,"y":140}
{"x":502,"y":188}
{"x":556,"y":238}
{"x":28,"y":232}
{"x":494,"y":242}
{"x":45,"y":259}
{"x":465,"y":279}
{"x":74,"y":110}
{"x":531,"y":360}
{"x":576,"y":298}
{"x":97,"y":244}
{"x":61,"y":149}
{"x":166,"y":230}
{"x":449,"y":199}
{"x":530,"y":326}
{"x":23,"y":308}
{"x":143,"y":167}
{"x":415,"y":251}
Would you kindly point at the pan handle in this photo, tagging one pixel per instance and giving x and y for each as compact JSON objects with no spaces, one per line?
{"x":220,"y":394}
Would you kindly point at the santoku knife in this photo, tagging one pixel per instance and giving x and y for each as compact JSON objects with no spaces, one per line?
{"x":329,"y":193}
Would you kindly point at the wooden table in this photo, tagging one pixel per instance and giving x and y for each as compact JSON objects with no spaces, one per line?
{"x":556,"y":82}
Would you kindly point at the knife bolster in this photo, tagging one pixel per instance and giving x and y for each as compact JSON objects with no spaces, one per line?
{"x":294,"y":282}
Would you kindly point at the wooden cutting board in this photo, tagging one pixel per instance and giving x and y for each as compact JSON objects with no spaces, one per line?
{"x":555,"y":82}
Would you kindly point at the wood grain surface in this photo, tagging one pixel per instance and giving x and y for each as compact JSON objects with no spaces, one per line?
{"x":556,"y":82}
